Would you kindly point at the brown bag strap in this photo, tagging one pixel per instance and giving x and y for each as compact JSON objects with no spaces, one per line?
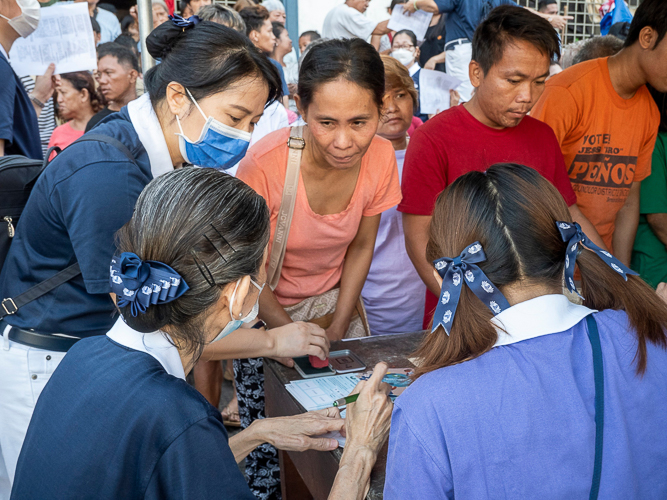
{"x":295,"y":143}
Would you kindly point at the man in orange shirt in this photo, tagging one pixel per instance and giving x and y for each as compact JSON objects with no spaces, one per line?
{"x":606,"y":124}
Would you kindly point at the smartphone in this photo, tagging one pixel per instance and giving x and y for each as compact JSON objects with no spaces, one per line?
{"x":345,"y":361}
{"x":306,"y":370}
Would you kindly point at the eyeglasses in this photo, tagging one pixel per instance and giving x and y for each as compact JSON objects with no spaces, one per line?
{"x":408,"y":47}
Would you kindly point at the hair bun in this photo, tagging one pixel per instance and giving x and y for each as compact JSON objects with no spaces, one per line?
{"x":163,"y":38}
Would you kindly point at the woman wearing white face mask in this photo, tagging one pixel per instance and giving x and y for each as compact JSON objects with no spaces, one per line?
{"x":202,"y":103}
{"x":19,"y":131}
{"x":189,"y":271}
{"x":405,"y":50}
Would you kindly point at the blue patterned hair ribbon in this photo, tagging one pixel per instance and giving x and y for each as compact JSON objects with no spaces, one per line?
{"x":455,"y":271}
{"x":184,"y":23}
{"x":141,"y":283}
{"x":571,"y":233}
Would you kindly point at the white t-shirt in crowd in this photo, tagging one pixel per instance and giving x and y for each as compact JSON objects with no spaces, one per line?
{"x":393,"y":294}
{"x":109,"y":25}
{"x":345,"y":22}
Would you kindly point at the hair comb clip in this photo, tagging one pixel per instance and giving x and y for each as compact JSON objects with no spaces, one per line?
{"x":208,"y":276}
{"x":216,"y":247}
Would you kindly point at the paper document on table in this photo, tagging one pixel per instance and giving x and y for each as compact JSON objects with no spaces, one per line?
{"x":64,"y":37}
{"x":417,"y":22}
{"x":319,"y":393}
{"x":434,"y":87}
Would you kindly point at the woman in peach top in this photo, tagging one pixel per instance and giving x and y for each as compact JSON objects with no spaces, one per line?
{"x":348,"y":178}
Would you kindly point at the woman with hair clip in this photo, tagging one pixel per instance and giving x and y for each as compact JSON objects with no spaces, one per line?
{"x":117,"y":419}
{"x":521,"y":393}
{"x":203,"y":101}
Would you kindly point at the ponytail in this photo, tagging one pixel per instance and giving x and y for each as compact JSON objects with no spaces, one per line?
{"x":603,"y":288}
{"x":511,"y":210}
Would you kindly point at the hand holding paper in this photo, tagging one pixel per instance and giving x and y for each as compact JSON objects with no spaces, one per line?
{"x":434,"y":87}
{"x":417,"y":22}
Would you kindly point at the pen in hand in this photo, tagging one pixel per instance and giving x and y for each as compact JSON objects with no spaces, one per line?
{"x":393,"y":379}
{"x":347,"y":400}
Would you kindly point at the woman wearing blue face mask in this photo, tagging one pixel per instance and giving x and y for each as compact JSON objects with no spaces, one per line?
{"x":202,"y":103}
{"x":117,"y":419}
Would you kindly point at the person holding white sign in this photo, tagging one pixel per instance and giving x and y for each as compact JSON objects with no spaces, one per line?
{"x":463,"y":17}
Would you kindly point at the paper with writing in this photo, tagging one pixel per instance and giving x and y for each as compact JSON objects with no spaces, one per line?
{"x":64,"y":37}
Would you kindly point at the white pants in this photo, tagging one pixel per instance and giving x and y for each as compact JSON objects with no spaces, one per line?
{"x":457,"y":63}
{"x":24,"y":371}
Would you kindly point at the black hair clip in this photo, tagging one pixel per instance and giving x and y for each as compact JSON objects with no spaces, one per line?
{"x":208,"y":276}
{"x":218,"y":234}
{"x":211,"y":235}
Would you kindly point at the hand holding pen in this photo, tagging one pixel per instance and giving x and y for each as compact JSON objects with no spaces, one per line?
{"x":368,"y":419}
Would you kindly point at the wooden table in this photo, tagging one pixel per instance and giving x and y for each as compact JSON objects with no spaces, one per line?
{"x":310,"y":474}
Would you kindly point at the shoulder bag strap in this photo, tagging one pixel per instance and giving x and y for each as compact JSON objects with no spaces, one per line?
{"x":11,"y":305}
{"x":295,"y":143}
{"x":109,"y":140}
{"x":598,"y":376}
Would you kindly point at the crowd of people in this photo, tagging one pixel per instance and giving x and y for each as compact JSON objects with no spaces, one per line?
{"x":249,"y":197}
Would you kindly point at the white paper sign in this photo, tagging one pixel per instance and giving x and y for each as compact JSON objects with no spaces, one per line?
{"x":434,"y":87}
{"x":417,"y":22}
{"x":64,"y":37}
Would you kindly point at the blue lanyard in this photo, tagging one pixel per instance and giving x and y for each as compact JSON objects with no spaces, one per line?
{"x":598,"y":375}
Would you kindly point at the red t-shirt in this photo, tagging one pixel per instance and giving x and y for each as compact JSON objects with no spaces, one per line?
{"x":454,"y":143}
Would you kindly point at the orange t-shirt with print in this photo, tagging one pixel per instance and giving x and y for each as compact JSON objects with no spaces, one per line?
{"x":607,"y":141}
{"x":317,"y":244}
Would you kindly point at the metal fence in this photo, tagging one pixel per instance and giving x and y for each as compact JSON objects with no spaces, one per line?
{"x":586,"y":13}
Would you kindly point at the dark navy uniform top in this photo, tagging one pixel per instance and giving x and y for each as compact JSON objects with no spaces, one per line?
{"x":81,"y":199}
{"x":113,"y":423}
{"x":463,"y":16}
{"x":415,"y":78}
{"x":18,"y":121}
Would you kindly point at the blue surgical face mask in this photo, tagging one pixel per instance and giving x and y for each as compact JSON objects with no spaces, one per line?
{"x":219,"y":146}
{"x":235,"y":324}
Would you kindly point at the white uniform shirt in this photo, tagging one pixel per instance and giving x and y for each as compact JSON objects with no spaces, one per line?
{"x":345,"y":22}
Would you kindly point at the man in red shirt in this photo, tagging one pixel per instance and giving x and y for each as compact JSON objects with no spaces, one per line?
{"x":511,"y":54}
